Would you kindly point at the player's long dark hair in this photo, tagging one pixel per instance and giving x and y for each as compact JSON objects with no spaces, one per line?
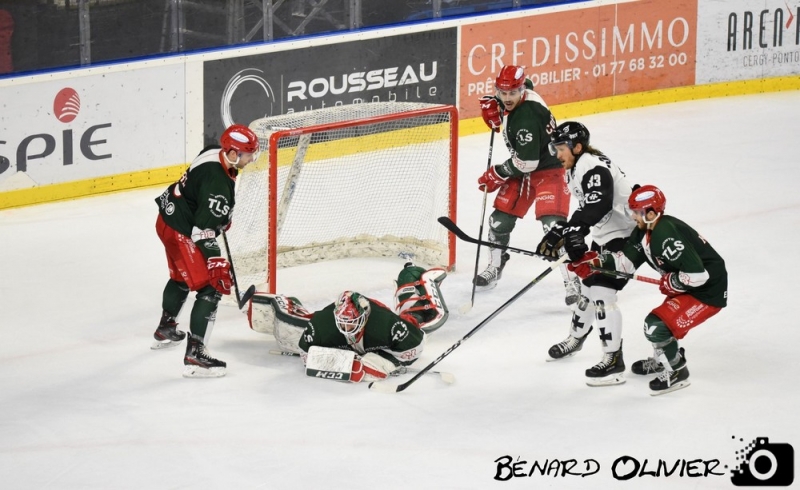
{"x":593,"y":151}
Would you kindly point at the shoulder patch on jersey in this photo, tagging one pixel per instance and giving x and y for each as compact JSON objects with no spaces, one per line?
{"x":672,"y":248}
{"x":593,"y":197}
{"x":524,"y":136}
{"x":309,"y":333}
{"x":399,"y":331}
{"x":218,"y":205}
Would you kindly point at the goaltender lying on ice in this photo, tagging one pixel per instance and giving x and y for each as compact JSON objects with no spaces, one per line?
{"x":356,"y":338}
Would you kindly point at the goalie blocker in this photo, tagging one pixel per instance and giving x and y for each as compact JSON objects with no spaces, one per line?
{"x":393,"y":338}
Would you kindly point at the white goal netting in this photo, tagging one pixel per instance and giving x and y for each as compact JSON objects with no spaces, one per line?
{"x":348,"y":181}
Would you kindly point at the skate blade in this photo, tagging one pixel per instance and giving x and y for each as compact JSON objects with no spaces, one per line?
{"x":610,"y":380}
{"x":488,"y":287}
{"x":549,"y":358}
{"x":201,"y":372}
{"x":164,"y":344}
{"x":677,"y":386}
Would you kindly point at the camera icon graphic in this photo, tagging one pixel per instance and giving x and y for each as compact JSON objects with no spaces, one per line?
{"x":764,"y":463}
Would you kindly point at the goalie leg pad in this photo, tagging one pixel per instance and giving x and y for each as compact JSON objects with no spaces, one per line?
{"x":281,"y":316}
{"x":418,"y":294}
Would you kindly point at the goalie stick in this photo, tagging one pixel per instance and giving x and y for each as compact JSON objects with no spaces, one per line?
{"x":386,"y":388}
{"x":241,"y":300}
{"x":448,"y":223}
{"x":445,"y":376}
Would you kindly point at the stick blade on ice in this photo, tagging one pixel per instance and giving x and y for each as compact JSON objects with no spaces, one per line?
{"x":383,"y":387}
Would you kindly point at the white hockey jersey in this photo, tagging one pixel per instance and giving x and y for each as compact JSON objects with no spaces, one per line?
{"x":602,"y":192}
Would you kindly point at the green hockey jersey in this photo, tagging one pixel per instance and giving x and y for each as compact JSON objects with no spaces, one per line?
{"x":385,"y":334}
{"x":200,"y":204}
{"x":674,"y":246}
{"x":527,"y":132}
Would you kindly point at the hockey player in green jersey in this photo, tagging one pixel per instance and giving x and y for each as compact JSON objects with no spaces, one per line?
{"x":693,"y":277}
{"x":356,"y":338}
{"x":530,"y":175}
{"x":192,"y":213}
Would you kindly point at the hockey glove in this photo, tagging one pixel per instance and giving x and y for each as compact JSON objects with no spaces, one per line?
{"x":552,"y":241}
{"x":582,"y":267}
{"x":490,"y":110}
{"x":491,"y":180}
{"x":574,"y":242}
{"x":671,"y":285}
{"x":219,"y":274}
{"x":371,"y":367}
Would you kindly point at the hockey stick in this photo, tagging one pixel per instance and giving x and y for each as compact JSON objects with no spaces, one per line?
{"x":448,"y":223}
{"x":468,"y":307}
{"x":241,"y":300}
{"x":625,"y":275}
{"x":446,"y":377}
{"x":394,"y":389}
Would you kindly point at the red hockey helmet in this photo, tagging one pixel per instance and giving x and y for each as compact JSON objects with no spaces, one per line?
{"x":239,"y":138}
{"x":647,"y":197}
{"x":510,"y":77}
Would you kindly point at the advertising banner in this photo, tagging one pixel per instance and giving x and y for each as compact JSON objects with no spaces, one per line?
{"x":91,"y":126}
{"x":584,"y":52}
{"x":417,"y":67}
{"x":746,"y":40}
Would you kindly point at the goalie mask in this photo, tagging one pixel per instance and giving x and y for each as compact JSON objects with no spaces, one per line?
{"x":350,"y":313}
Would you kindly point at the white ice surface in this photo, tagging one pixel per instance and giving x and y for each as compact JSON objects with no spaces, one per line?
{"x":84,"y":402}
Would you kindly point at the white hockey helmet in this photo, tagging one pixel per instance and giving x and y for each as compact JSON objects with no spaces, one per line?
{"x":350,"y":312}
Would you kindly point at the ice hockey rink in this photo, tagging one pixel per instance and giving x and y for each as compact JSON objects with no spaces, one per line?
{"x":86,"y":404}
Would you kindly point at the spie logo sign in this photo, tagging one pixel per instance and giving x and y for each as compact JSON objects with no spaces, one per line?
{"x":66,"y":105}
{"x":41,"y":145}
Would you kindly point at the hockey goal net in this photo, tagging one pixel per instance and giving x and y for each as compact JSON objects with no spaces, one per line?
{"x":364,"y":180}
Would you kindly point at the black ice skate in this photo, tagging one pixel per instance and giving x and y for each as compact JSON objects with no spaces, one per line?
{"x":671,"y":379}
{"x":568,"y":347}
{"x":198,"y":362}
{"x":651,"y":365}
{"x":167,"y":334}
{"x":488,"y":278}
{"x":609,"y":371}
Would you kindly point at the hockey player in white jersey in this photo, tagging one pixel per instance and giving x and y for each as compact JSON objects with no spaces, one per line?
{"x":602,"y":191}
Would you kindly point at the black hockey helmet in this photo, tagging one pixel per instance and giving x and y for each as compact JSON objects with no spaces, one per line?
{"x":571,"y":133}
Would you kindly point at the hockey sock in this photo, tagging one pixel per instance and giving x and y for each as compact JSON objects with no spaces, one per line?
{"x":661,"y":337}
{"x":608,"y":318}
{"x":175,"y":294}
{"x":204,"y":311}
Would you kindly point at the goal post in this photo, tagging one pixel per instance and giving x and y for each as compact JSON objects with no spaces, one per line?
{"x":365,"y":180}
